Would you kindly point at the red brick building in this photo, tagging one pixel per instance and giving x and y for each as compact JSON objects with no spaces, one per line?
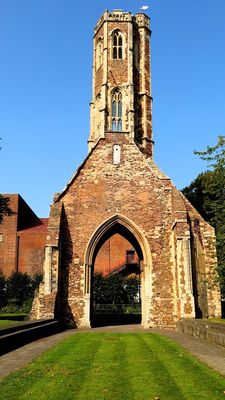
{"x":22,"y":239}
{"x":119,"y":191}
{"x":115,"y":253}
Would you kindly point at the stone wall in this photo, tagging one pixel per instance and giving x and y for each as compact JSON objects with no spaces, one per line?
{"x":157,"y":216}
{"x":118,"y":189}
{"x":212,"y":332}
{"x":130,"y":74}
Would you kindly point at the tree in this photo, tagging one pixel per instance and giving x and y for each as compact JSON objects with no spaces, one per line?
{"x":3,"y":294}
{"x":115,"y":289}
{"x":4,"y":207}
{"x":20,"y":288}
{"x":17,"y":291}
{"x":207,"y":194}
{"x":108,"y":289}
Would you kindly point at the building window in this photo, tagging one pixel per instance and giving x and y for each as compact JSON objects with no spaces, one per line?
{"x":1,"y":237}
{"x":117,"y":45}
{"x":117,"y":111}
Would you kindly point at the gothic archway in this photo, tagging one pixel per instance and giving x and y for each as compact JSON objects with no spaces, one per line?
{"x":129,"y":230}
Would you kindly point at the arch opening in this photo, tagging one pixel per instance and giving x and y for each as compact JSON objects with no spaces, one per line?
{"x":118,"y":262}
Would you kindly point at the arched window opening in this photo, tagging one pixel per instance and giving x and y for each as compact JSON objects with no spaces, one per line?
{"x":117,"y":111}
{"x":114,"y":108}
{"x":117,"y":41}
{"x":119,"y":125}
{"x":120,"y":108}
{"x":114,"y":125}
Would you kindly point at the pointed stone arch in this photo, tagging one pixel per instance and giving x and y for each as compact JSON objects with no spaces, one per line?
{"x":129,"y":230}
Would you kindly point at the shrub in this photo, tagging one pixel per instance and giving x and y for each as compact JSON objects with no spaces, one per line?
{"x":17,"y":292}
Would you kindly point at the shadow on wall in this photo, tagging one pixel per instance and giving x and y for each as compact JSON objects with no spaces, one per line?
{"x":223,"y":308}
{"x":115,"y":319}
{"x":198,"y":272}
{"x":63,"y":310}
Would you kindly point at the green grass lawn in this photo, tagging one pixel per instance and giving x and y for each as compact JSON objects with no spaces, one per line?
{"x":114,"y":366}
{"x":215,"y":321}
{"x":11,"y":318}
{"x":6,"y":322}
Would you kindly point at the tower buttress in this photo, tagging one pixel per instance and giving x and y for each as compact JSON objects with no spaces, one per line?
{"x":121,"y":91}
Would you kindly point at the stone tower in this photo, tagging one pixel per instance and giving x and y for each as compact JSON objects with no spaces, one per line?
{"x":122,"y":99}
{"x":119,"y":190}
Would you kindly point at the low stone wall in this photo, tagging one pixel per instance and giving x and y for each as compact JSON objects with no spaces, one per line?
{"x":212,"y":332}
{"x":17,"y":336}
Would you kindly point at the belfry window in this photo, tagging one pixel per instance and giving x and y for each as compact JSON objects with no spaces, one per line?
{"x":117,"y":111}
{"x":117,"y":45}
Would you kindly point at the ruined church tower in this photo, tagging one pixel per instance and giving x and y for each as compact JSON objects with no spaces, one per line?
{"x":121,"y":99}
{"x":119,"y":191}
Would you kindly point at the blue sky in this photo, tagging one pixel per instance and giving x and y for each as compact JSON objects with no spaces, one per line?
{"x":45,"y":88}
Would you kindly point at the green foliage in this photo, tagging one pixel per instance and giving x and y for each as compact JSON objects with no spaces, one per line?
{"x":132,"y":286}
{"x":4,"y":207}
{"x":16,"y":292}
{"x":214,"y":154}
{"x":19,"y":288}
{"x":115,"y":289}
{"x":207,"y":194}
{"x":3,"y":294}
{"x":215,"y":321}
{"x":19,"y":316}
{"x":7,"y":322}
{"x":37,"y":279}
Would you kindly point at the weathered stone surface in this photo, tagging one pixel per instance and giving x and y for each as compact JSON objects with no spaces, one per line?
{"x":101,"y":190}
{"x":130,"y":197}
{"x":213,"y":333}
{"x":130,"y":74}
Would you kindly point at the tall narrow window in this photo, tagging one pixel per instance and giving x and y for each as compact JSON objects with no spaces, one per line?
{"x":117,"y":45}
{"x":117,"y":111}
{"x":99,"y":53}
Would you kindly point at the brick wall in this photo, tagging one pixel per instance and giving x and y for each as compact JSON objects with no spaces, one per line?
{"x":31,"y":250}
{"x":23,"y":239}
{"x":8,"y":246}
{"x":112,"y":254}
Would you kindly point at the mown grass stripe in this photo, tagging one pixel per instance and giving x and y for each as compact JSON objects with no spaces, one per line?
{"x":120,"y":387}
{"x":189,"y":375}
{"x":57,"y":373}
{"x":108,"y":375}
{"x":153,"y":378}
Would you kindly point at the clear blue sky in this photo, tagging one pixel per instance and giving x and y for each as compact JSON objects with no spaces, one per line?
{"x":45,"y":88}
